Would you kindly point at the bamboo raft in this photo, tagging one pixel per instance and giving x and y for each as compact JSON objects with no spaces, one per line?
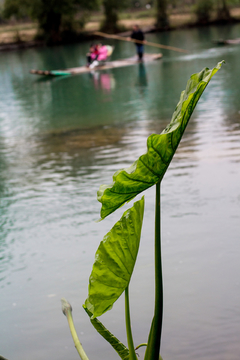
{"x":105,"y":66}
{"x":227,"y":42}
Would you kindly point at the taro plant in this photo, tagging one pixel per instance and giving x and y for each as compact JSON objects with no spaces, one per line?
{"x":117,"y":252}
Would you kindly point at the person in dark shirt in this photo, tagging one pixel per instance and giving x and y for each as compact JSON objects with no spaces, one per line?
{"x":137,"y":34}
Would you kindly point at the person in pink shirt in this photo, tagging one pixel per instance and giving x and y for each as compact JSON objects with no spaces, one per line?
{"x":102,"y":52}
{"x":102,"y":55}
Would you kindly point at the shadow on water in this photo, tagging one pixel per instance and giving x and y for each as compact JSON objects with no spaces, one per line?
{"x":73,"y":140}
{"x":142,"y":75}
{"x":50,"y":79}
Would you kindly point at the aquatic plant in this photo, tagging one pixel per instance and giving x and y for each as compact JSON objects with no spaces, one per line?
{"x":116,"y":255}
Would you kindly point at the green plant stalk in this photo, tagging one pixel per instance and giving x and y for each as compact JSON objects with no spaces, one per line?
{"x":67,"y":310}
{"x":154,"y":339}
{"x":132,"y":354}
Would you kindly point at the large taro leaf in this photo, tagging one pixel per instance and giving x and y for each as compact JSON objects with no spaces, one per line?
{"x":150,"y":168}
{"x":114,"y":261}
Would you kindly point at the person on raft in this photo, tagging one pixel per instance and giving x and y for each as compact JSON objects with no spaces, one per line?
{"x":97,"y":54}
{"x":137,"y":34}
{"x":92,"y":54}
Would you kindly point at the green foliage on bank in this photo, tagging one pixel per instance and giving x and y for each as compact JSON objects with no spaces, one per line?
{"x":59,"y":19}
{"x":54,"y":17}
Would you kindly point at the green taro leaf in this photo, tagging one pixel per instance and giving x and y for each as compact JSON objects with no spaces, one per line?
{"x":120,"y":348}
{"x":150,"y":168}
{"x":115,"y":260}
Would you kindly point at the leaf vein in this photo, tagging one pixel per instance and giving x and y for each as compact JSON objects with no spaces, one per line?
{"x":160,"y":155}
{"x":130,"y":251}
{"x":111,"y":286}
{"x":120,"y":193}
{"x":140,"y":159}
{"x":122,"y":263}
{"x":134,"y":179}
{"x":105,"y":264}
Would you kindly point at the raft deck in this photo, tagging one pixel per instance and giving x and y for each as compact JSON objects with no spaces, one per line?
{"x":105,"y":66}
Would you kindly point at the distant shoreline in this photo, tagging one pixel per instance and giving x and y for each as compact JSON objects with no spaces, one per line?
{"x":22,"y":35}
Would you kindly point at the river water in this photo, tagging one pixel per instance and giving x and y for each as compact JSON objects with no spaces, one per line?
{"x":60,"y":139}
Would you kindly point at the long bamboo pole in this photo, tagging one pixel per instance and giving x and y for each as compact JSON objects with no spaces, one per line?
{"x":117,"y":37}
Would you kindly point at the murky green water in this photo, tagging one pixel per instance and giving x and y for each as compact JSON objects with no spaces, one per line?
{"x":60,"y":139}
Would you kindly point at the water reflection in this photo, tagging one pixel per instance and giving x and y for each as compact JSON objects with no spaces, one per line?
{"x":142,"y":75}
{"x":103,"y":80}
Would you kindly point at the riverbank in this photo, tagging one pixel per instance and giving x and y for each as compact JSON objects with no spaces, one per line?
{"x":23,"y":35}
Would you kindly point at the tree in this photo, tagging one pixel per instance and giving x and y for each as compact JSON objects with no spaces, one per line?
{"x":111,"y":9}
{"x":223,"y":12}
{"x":19,"y":10}
{"x":162,"y":16}
{"x":53,"y":16}
{"x":203,"y":10}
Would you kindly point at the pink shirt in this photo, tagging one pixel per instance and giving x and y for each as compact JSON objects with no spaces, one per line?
{"x":102,"y":53}
{"x":94,"y":54}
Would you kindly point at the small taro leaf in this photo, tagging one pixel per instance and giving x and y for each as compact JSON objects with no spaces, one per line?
{"x":115,"y":260}
{"x":150,"y":168}
{"x":120,"y":348}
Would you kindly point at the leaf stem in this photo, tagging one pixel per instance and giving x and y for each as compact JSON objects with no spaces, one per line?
{"x":140,"y":345}
{"x":132,"y":354}
{"x":67,"y":310}
{"x":154,"y":340}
